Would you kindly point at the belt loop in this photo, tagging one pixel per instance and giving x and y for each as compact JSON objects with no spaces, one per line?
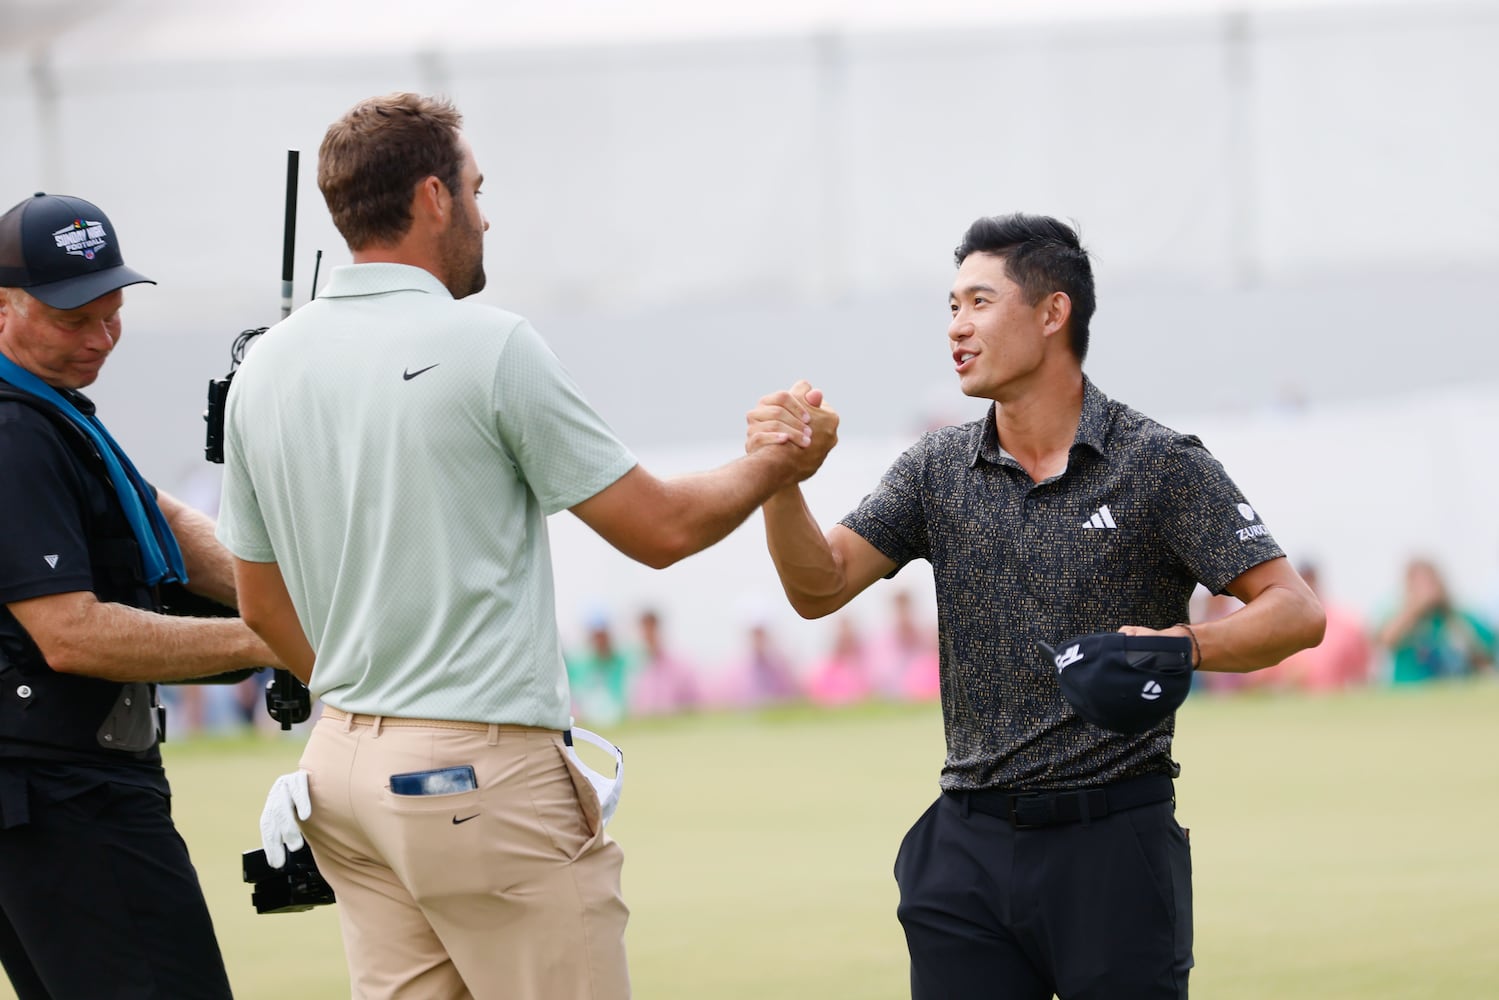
{"x":376,"y":731}
{"x":348,"y":722}
{"x":967,"y":797}
{"x":494,"y":734}
{"x":1084,"y":800}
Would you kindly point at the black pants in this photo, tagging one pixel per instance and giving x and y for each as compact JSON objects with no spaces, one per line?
{"x":99,"y":900}
{"x":1095,"y":910}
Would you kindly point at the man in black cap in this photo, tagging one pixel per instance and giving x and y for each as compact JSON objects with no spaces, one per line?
{"x":1052,"y":862}
{"x":97,"y":895}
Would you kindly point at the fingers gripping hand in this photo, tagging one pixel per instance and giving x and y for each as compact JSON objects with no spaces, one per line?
{"x":782,"y":417}
{"x":287,"y":803}
{"x":823,"y":426}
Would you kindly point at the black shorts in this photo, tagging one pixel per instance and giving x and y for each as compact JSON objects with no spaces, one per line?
{"x":1088,"y":910}
{"x":98,"y":899}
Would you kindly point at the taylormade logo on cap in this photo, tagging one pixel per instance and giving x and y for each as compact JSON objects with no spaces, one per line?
{"x":1126,"y":683}
{"x":1069,"y":656}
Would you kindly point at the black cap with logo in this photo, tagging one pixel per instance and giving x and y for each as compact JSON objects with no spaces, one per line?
{"x":1126,"y":683}
{"x":63,"y":251}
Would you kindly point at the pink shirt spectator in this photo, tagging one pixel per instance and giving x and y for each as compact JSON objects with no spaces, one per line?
{"x":660,"y":681}
{"x":843,"y":677}
{"x":763,"y":677}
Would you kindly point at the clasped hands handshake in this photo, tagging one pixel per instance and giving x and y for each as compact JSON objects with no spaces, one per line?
{"x":796,"y":419}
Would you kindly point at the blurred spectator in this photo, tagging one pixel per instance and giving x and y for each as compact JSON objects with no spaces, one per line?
{"x":185,"y":709}
{"x":763,"y":676}
{"x":660,"y":681}
{"x":903,"y":658}
{"x":1207,"y":607}
{"x":597,"y":675}
{"x":842,"y":677}
{"x":1428,"y":636}
{"x":1341,"y":660}
{"x":1488,"y":605}
{"x":249,"y":703}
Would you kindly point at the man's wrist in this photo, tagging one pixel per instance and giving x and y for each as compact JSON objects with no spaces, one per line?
{"x":1196,"y":646}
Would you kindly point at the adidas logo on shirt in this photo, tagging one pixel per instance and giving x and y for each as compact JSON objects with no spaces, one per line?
{"x":1101,"y":519}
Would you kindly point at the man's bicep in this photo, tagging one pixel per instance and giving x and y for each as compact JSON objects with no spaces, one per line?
{"x":1256,"y":580}
{"x":262,"y":589}
{"x":51,"y":618}
{"x":620,"y":512}
{"x":862,"y":563}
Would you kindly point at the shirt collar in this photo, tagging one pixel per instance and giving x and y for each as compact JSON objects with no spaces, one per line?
{"x":1092,"y":428}
{"x":352,"y":280}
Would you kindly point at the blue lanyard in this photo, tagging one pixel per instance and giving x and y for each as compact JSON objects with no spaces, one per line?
{"x":159,"y":551}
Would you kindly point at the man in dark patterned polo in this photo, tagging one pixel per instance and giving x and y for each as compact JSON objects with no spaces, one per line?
{"x":1052,"y":861}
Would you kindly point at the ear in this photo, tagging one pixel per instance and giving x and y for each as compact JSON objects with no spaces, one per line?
{"x":432,"y":201}
{"x":1056,"y":310}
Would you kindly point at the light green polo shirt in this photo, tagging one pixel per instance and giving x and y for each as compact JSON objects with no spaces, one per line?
{"x":397,"y":453}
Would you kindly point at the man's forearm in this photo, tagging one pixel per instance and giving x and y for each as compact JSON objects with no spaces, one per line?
{"x":269,"y":610}
{"x":1264,"y":632}
{"x":120,"y":643}
{"x":707,"y":506}
{"x":287,"y":640}
{"x":805,"y":562}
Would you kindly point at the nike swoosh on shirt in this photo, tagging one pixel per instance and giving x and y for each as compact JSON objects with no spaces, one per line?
{"x":408,"y":375}
{"x":465,"y":819}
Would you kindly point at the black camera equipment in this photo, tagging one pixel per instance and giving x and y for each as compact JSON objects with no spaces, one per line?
{"x":296,"y":886}
{"x":286,"y":698}
{"x":218,"y":396}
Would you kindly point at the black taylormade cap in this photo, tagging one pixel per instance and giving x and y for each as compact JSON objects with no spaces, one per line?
{"x":1127,"y":683}
{"x":63,"y":251}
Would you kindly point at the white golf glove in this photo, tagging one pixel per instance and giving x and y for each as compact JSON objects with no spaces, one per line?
{"x":607,"y":788}
{"x":287,"y":803}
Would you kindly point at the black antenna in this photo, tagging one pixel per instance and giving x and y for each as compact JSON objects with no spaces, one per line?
{"x":289,"y":242}
{"x":317,"y":262}
{"x":287,"y":698}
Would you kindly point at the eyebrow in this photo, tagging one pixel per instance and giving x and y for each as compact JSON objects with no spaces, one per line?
{"x":971,"y":289}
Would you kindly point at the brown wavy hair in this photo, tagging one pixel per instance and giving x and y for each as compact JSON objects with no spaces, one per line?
{"x":372,"y":159}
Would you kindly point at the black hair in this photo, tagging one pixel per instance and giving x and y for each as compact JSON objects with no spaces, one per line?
{"x":1042,"y":256}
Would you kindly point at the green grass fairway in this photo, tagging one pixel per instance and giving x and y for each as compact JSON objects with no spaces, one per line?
{"x":1346,"y":848}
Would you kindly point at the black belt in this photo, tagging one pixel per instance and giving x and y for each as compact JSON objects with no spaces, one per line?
{"x":1025,"y":810}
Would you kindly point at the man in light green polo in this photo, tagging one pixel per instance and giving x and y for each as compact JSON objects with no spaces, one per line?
{"x":392,"y":454}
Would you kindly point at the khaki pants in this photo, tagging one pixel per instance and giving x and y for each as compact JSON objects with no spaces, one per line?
{"x":510,"y":891}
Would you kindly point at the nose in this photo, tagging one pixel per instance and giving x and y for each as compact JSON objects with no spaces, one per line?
{"x":960,"y":326}
{"x":100,"y":337}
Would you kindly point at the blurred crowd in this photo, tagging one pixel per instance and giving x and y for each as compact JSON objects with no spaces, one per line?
{"x":628,"y":667}
{"x":643,"y":674}
{"x":1424,"y":634}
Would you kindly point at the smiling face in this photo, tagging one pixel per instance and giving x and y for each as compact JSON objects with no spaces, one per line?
{"x":998,"y":339}
{"x":66,"y":348}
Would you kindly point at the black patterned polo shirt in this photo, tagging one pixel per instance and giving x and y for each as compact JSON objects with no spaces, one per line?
{"x":1121,"y":537}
